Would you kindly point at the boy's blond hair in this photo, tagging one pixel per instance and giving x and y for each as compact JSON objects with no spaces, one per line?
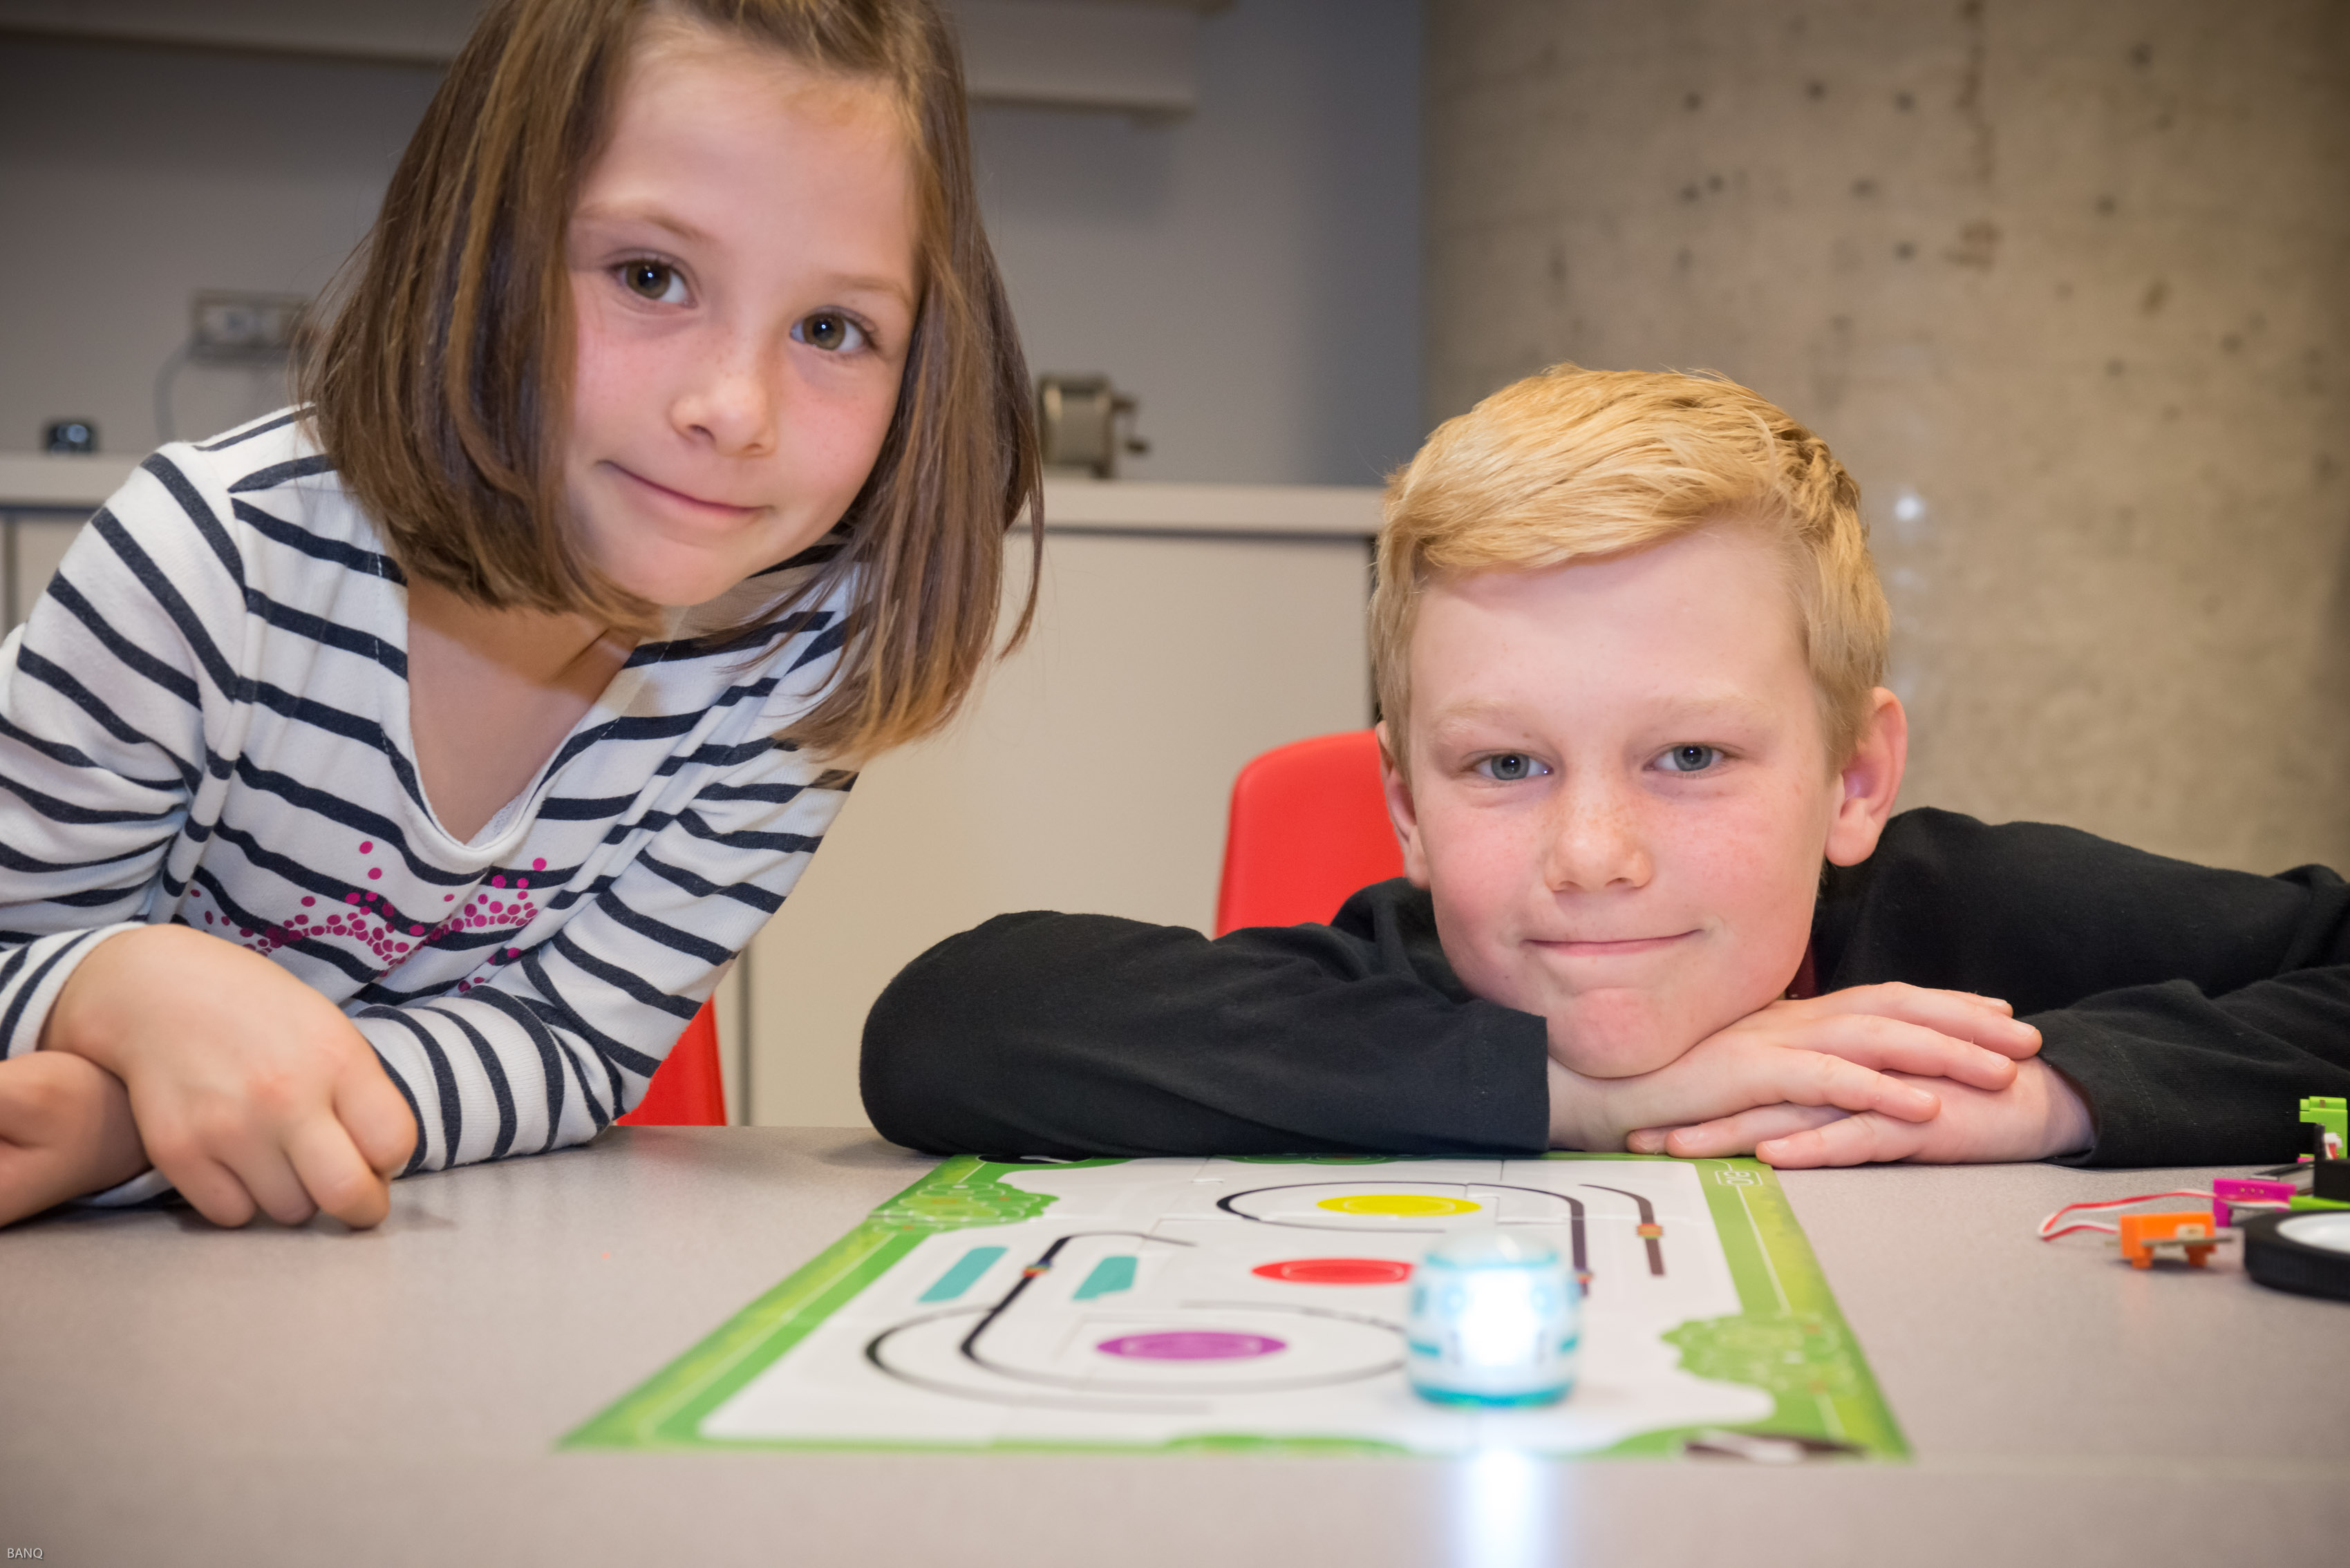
{"x":1574,"y":463}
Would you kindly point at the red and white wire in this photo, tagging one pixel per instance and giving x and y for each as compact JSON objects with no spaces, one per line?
{"x":2046,"y":1234}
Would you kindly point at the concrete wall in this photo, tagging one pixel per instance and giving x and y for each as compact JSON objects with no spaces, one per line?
{"x":2064,"y":283}
{"x":1251,"y":271}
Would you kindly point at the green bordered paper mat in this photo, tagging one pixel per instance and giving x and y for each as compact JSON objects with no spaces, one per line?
{"x":1255,"y":1305}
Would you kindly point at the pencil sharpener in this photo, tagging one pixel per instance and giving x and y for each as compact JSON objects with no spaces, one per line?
{"x":1495,"y":1320}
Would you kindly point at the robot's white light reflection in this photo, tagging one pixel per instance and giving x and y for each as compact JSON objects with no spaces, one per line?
{"x":1505,"y":1516}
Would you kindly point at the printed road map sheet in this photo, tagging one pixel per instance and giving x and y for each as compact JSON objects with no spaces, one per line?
{"x":1258,"y":1304}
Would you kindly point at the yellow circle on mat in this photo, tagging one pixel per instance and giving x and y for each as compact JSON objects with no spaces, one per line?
{"x":1411,"y":1204}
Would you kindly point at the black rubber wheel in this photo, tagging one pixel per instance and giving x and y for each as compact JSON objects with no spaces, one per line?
{"x":2307,"y":1252}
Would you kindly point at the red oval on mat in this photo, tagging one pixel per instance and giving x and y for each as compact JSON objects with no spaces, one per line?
{"x":1336,"y":1271}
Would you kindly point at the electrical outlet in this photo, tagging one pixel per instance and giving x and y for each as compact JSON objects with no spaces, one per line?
{"x":247,"y":326}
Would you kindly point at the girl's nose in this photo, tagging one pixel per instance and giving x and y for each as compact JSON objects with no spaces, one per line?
{"x":1595,"y":841}
{"x":732,"y":403}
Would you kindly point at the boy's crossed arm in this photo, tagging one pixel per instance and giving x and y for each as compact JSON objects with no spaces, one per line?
{"x":1087,"y":1034}
{"x":1886,"y":1058}
{"x":2038,"y":1116}
{"x":2010,"y":1106}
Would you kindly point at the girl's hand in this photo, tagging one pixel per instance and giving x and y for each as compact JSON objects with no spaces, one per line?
{"x":1861,"y":1050}
{"x":250,"y":1089}
{"x":2038,"y":1116}
{"x":65,"y":1131}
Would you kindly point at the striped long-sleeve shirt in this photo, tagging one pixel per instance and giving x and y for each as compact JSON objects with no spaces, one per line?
{"x":205,"y":722}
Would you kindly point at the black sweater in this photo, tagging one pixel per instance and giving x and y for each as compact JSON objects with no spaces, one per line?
{"x":2190,"y":1007}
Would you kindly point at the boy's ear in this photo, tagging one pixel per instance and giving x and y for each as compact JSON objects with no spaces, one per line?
{"x":1395,"y":782}
{"x":1870,"y":780}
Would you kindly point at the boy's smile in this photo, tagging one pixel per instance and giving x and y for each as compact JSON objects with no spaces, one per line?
{"x":1618,"y":791}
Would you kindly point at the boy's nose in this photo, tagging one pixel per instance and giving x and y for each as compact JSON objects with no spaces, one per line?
{"x":1595,"y":841}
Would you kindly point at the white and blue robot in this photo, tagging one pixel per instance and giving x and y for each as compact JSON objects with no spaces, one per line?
{"x":1495,"y":1320}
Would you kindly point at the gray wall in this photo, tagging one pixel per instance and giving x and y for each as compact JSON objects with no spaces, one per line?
{"x":2064,"y":283}
{"x":1251,"y":271}
{"x":132,"y":177}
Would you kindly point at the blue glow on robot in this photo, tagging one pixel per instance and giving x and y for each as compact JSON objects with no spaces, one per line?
{"x":1495,"y":1320}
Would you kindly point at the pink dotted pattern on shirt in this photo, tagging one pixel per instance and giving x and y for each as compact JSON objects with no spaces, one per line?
{"x":365,"y":920}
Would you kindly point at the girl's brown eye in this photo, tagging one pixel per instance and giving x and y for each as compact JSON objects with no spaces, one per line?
{"x":830,"y":331}
{"x":653,"y":280}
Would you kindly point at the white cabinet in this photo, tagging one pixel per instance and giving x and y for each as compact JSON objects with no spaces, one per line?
{"x":1183,"y":630}
{"x":44,"y":502}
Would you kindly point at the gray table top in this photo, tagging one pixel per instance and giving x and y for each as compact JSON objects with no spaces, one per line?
{"x":170,"y":1393}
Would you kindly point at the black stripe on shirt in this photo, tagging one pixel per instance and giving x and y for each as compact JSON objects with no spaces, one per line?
{"x":701,"y":887}
{"x":30,"y":986}
{"x":15,"y":859}
{"x":551,"y":1055}
{"x":550,"y":1050}
{"x":198,"y":511}
{"x":319,"y":548}
{"x":416,"y":1155}
{"x":633,"y":986}
{"x":168,"y":598}
{"x":444,"y":1082}
{"x":773,"y":794}
{"x":562,"y":1024}
{"x":237,"y":438}
{"x":652,"y":727}
{"x":746,"y":838}
{"x":712,"y":755}
{"x":828,"y":640}
{"x":750,"y":637}
{"x":337,"y":809}
{"x":653,"y":930}
{"x":136,"y":658}
{"x":496,"y":1073}
{"x":74,"y":757}
{"x":319,"y":629}
{"x":279,"y":473}
{"x":57,"y":810}
{"x":54,"y":676}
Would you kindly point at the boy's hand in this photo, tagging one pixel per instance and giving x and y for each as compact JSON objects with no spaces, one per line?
{"x":2038,"y":1116}
{"x":65,"y":1131}
{"x":250,"y":1089}
{"x":1842,"y":1052}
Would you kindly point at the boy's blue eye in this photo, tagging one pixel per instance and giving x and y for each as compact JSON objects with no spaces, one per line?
{"x":1509,"y":767}
{"x":830,"y":331}
{"x":1689,"y":759}
{"x":656,"y":281}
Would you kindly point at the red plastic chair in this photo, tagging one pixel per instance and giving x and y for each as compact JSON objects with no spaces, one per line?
{"x":687,"y":1089}
{"x":1309,"y":826}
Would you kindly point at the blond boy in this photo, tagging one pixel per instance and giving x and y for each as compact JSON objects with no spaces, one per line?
{"x":1629,"y":642}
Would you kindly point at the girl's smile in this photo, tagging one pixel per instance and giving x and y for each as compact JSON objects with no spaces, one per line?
{"x":719,"y":513}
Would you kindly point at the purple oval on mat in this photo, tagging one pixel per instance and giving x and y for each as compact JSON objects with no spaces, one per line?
{"x":1191,"y":1344}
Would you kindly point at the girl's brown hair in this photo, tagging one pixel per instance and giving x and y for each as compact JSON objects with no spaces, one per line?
{"x":442,"y":388}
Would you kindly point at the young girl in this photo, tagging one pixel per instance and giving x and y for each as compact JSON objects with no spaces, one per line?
{"x":386,"y":781}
